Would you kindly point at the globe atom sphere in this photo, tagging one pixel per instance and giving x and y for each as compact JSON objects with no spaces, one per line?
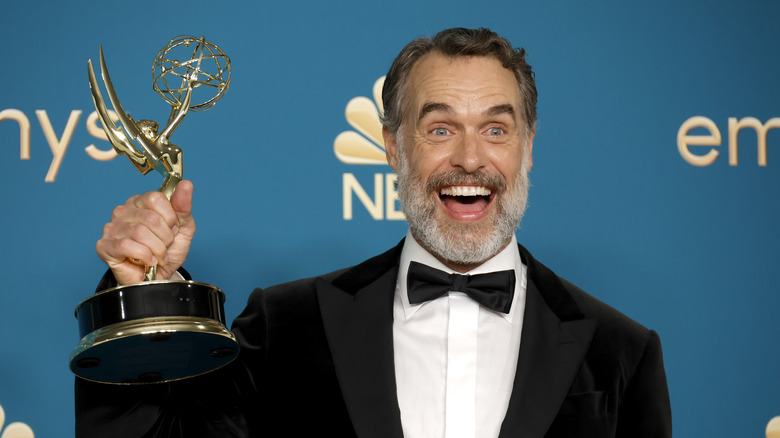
{"x":189,"y":60}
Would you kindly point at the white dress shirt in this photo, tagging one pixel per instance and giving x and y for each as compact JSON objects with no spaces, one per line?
{"x":455,"y":360}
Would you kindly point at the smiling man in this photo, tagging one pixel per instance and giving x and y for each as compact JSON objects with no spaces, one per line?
{"x":463,"y":182}
{"x":456,"y":332}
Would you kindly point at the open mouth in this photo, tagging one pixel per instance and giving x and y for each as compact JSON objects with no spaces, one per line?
{"x":466,"y":202}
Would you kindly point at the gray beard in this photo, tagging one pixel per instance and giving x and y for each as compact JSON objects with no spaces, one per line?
{"x":459,"y":243}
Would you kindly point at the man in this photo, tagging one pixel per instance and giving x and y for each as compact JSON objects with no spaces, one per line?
{"x":377,"y":351}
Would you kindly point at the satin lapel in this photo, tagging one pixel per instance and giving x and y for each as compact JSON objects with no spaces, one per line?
{"x":551,"y":352}
{"x":359,"y":328}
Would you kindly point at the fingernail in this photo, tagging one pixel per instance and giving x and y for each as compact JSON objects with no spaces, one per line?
{"x":175,"y":229}
{"x":154,"y":260}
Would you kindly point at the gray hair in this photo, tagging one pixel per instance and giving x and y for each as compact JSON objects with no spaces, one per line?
{"x":453,"y":43}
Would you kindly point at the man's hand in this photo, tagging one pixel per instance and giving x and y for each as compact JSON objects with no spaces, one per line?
{"x":150,"y":229}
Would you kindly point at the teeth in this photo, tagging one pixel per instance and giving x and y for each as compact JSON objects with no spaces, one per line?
{"x":465,"y":191}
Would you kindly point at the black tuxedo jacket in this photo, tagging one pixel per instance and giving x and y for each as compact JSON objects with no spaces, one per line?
{"x":317,"y":358}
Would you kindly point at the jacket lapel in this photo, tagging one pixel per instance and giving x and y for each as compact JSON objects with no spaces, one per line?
{"x":553,"y":345}
{"x":358,"y":318}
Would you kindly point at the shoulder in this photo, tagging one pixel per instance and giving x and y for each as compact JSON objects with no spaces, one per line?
{"x":570,"y":302}
{"x":616,"y":337}
{"x":349,"y":280}
{"x":301,"y":295}
{"x":291,"y":311}
{"x":622,"y":351}
{"x":623,"y":356}
{"x":295,"y":290}
{"x":623,"y":361}
{"x":612,"y":322}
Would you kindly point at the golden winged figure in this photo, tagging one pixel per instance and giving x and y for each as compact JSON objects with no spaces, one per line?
{"x":155,"y":150}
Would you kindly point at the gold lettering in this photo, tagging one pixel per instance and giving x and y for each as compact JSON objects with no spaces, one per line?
{"x":761,"y":131}
{"x":58,"y":146}
{"x":684,"y":140}
{"x":97,"y":131}
{"x":24,"y":130}
{"x":351,"y":185}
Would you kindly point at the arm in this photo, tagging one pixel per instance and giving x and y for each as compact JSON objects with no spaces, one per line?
{"x":204,"y":406}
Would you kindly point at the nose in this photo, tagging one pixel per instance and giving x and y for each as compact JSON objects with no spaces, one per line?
{"x":468,"y":154}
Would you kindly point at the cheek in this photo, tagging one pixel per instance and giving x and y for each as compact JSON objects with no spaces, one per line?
{"x":424,"y":164}
{"x":508,"y":162}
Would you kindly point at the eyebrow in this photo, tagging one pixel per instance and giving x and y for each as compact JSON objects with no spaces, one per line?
{"x":501,"y":109}
{"x":443,"y":107}
{"x":433,"y":107}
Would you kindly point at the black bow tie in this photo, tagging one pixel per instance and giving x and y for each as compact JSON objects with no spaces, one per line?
{"x":494,"y":290}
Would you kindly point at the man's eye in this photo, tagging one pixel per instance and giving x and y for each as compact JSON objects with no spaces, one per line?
{"x":495,"y":131}
{"x":440,"y":131}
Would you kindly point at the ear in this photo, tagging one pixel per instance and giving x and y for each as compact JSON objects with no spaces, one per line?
{"x":531,"y":150}
{"x":391,"y":148}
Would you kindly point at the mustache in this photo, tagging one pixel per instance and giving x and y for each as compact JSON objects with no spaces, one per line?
{"x":462,"y":178}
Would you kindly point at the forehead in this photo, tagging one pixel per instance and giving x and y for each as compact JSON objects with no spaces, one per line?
{"x":469,"y":83}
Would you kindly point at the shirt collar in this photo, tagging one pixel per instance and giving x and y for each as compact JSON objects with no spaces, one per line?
{"x":507,"y":258}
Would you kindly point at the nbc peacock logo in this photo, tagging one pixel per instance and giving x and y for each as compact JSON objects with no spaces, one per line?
{"x":363,"y":115}
{"x":365,"y":146}
{"x":14,"y":430}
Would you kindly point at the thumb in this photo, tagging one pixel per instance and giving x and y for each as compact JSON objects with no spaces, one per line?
{"x":182,"y":203}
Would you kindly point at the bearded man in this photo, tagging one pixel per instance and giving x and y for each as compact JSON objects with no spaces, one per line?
{"x":456,"y":332}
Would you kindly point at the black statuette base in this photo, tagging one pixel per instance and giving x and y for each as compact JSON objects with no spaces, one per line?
{"x":152,"y":332}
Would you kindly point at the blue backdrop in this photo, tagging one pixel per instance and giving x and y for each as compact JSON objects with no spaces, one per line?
{"x":687,"y":246}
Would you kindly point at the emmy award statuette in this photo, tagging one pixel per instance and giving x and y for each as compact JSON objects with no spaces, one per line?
{"x":157,"y":331}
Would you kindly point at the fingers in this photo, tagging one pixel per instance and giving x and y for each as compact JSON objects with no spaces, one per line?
{"x":151,"y":229}
{"x":182,"y":198}
{"x":151,"y":207}
{"x":135,"y":234}
{"x":127,"y":237}
{"x":181,"y":201}
{"x":117,"y":254}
